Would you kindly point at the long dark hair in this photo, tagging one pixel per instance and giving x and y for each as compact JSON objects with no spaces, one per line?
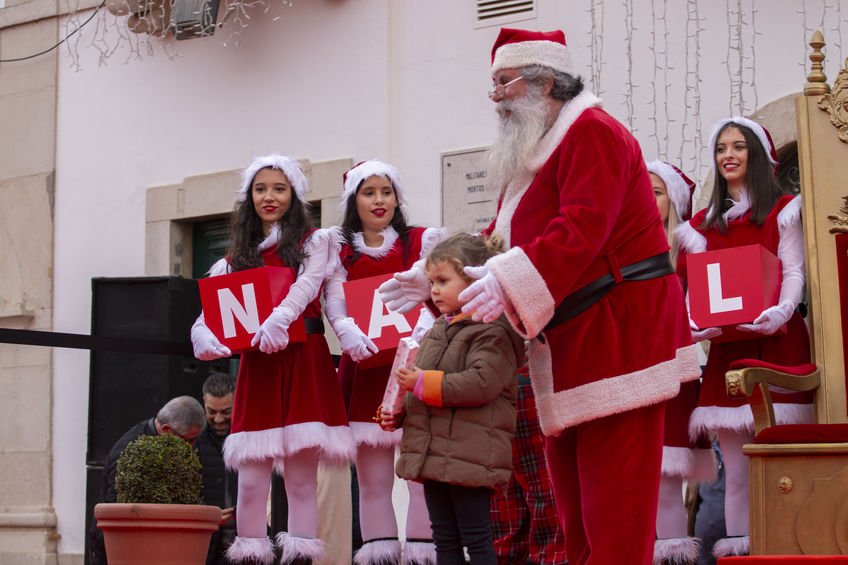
{"x":351,"y":224}
{"x":760,"y":182}
{"x":246,"y":233}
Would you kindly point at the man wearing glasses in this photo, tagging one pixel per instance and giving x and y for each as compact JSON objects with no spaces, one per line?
{"x":588,"y":281}
{"x":182,"y":416}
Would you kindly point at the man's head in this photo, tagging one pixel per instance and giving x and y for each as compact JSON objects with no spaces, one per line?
{"x":532,"y":78}
{"x":218,"y":392}
{"x":183,"y":417}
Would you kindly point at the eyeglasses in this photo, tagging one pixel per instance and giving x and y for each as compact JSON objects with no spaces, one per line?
{"x":499,"y":90}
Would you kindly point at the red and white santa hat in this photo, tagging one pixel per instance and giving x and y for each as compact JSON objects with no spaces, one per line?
{"x":287,"y":165}
{"x":517,"y":48}
{"x":363,"y":170}
{"x":680,"y":187}
{"x":762,"y":134}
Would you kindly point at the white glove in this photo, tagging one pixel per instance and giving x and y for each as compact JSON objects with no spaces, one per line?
{"x":354,"y":342}
{"x":702,"y":335}
{"x":206,"y":345}
{"x":405,"y":290}
{"x":483,"y":299}
{"x":771,"y":319}
{"x":273,"y":334}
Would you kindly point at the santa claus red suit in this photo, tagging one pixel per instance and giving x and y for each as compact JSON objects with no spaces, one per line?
{"x":601,"y":366}
{"x":364,"y":387}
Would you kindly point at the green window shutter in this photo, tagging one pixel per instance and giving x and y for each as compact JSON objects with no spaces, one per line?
{"x":211,"y":240}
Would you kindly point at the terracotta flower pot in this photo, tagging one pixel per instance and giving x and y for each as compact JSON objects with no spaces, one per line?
{"x":165,"y":534}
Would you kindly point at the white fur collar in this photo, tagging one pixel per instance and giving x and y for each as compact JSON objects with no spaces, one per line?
{"x":389,"y":238}
{"x":271,"y":240}
{"x":739,"y":208}
{"x":691,"y":240}
{"x":567,"y":116}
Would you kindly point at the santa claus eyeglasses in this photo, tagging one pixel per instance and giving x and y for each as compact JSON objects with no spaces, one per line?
{"x":499,"y":90}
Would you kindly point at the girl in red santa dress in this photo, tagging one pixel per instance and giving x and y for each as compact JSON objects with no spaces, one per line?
{"x":747,"y":207}
{"x":288,"y":412}
{"x":374,"y":239}
{"x":683,"y":459}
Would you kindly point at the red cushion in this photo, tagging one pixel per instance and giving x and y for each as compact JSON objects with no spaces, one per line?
{"x":804,"y":433}
{"x":800,"y":370}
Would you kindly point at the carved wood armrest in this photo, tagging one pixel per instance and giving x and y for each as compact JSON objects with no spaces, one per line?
{"x":754,"y":383}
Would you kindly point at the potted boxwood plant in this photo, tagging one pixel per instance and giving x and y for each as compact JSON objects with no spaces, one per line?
{"x":158,"y":517}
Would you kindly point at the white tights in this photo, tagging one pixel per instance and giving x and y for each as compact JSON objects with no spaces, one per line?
{"x":417,"y":516}
{"x":376,"y":476}
{"x":671,"y":511}
{"x":375,"y":473}
{"x":301,"y":480}
{"x":736,"y":480}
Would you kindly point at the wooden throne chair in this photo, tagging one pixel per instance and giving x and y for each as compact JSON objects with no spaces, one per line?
{"x":799,"y":473}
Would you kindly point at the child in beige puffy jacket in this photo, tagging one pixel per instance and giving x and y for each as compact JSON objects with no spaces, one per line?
{"x":460,"y":408}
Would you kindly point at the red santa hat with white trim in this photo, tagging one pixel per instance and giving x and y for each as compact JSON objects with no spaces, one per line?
{"x":762,"y":134}
{"x":517,"y":48}
{"x":287,"y":165}
{"x":363,"y":170}
{"x":680,"y":187}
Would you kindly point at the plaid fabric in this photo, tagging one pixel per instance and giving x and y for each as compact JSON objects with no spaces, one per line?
{"x":524,"y":518}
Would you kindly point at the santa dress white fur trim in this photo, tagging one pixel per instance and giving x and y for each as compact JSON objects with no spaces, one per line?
{"x":613,"y":395}
{"x":707,"y":419}
{"x":366,"y":433}
{"x":689,"y":463}
{"x":335,"y":442}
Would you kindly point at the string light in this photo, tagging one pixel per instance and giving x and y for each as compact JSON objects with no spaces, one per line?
{"x":108,"y":35}
{"x":628,"y":86}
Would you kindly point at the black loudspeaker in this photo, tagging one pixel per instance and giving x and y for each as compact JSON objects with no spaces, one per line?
{"x":93,"y":481}
{"x":126,"y":388}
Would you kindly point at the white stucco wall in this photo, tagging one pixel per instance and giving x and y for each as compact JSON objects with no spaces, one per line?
{"x":403,"y":81}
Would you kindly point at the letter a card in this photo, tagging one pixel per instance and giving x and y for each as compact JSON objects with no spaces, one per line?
{"x":385,"y":328}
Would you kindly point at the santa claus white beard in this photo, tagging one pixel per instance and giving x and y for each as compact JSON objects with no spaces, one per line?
{"x":523,"y":122}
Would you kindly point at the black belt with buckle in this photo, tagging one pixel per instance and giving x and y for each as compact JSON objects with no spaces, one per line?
{"x":579,"y":300}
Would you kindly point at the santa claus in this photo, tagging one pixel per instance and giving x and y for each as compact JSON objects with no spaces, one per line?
{"x":588,"y":280}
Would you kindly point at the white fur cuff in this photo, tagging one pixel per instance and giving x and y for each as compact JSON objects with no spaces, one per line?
{"x":257,"y":550}
{"x":293,"y":548}
{"x":525,"y":289}
{"x":419,"y":553}
{"x":378,"y":552}
{"x":677,"y":551}
{"x":731,"y":546}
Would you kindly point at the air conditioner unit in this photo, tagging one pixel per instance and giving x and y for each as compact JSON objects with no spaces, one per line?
{"x":194,"y":18}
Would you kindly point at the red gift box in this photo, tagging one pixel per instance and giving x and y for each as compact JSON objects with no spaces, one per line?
{"x":385,"y":328}
{"x":732,"y":286}
{"x":235,"y":305}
